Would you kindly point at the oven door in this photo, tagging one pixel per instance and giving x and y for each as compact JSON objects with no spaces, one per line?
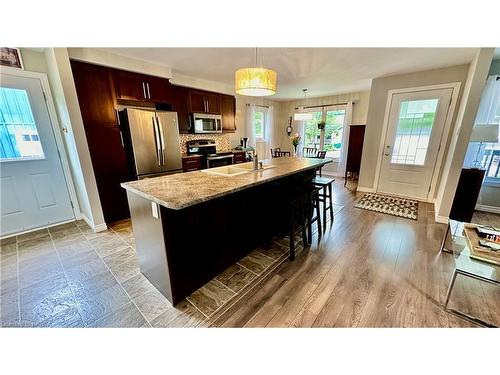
{"x":204,"y":123}
{"x":219,"y":161}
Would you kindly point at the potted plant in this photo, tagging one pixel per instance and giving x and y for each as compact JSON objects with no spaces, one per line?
{"x":295,"y":142}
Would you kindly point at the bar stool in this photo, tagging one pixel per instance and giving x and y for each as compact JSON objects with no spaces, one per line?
{"x":325,"y":184}
{"x":297,"y":216}
{"x":313,"y":205}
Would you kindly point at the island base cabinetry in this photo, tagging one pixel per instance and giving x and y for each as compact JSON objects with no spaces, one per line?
{"x":181,"y":250}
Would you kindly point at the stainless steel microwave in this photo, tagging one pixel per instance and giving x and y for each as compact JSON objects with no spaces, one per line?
{"x":204,"y":123}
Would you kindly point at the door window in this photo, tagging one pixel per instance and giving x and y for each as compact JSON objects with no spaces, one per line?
{"x":414,"y":127}
{"x":19,"y":139}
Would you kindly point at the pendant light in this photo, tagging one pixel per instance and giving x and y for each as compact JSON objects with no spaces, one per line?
{"x":255,"y":81}
{"x":302,"y":116}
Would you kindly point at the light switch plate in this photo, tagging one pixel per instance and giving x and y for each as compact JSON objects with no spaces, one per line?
{"x":154,"y":209}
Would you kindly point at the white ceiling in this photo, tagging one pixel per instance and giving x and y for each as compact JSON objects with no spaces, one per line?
{"x":324,"y":71}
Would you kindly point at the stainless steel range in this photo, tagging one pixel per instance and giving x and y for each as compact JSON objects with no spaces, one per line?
{"x":207,"y":148}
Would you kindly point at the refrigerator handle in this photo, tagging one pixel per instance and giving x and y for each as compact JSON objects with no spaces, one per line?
{"x":162,"y":140}
{"x":157,"y":142}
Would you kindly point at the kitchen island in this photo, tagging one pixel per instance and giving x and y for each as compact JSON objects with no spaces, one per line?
{"x":189,"y":227}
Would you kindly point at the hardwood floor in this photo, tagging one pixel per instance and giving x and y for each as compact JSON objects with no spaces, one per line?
{"x":368,"y":270}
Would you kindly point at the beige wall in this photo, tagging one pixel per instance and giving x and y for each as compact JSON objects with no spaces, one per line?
{"x":376,"y":110}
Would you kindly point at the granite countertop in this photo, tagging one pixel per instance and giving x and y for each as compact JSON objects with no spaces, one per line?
{"x":182,"y":190}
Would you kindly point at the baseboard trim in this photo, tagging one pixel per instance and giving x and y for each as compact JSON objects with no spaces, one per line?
{"x":485,"y":208}
{"x":365,"y":189}
{"x":440,"y":219}
{"x":96,"y":228}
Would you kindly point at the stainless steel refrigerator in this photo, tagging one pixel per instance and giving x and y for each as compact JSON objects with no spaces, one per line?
{"x":152,"y":138}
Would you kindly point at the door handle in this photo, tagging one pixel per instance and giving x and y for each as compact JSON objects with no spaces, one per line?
{"x":162,"y":141}
{"x":387,"y":150}
{"x":149,"y":93}
{"x":157,"y":142}
{"x":144,"y":90}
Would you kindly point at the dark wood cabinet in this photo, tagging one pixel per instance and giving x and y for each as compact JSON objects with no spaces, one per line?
{"x":140,"y":87}
{"x":129,"y":86}
{"x":96,"y":97}
{"x":191,"y":163}
{"x":180,"y":105}
{"x":204,"y":102}
{"x":160,"y":89}
{"x":354,"y":150}
{"x":228,"y":111}
{"x":239,"y":157}
{"x":213,"y":102}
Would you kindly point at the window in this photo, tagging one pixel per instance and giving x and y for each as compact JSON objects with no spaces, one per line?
{"x":259,"y":121}
{"x":19,"y":138}
{"x":487,"y":154}
{"x":329,"y":139}
{"x":416,"y":118}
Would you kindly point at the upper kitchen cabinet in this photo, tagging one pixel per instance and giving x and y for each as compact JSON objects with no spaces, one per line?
{"x":159,"y":89}
{"x":180,"y":96}
{"x":140,"y":87}
{"x":204,"y":102}
{"x":227,"y":111}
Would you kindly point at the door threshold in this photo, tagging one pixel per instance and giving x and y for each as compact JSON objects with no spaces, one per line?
{"x":35,"y":229}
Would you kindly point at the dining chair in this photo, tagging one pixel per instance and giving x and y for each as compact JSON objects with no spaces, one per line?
{"x":309,"y":152}
{"x":275,"y":153}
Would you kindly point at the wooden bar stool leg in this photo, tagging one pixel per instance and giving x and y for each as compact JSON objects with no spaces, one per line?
{"x":303,"y":221}
{"x":324,"y":196}
{"x":318,"y":213}
{"x":310,"y":210}
{"x":292,"y":240}
{"x":330,"y":191}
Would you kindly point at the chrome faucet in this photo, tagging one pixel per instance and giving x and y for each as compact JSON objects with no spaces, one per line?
{"x":255,"y":161}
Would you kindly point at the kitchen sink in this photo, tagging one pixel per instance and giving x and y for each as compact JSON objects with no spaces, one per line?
{"x":249,"y":166}
{"x":234,"y":170}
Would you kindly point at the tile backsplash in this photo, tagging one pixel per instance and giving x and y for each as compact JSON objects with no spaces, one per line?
{"x":221,"y":140}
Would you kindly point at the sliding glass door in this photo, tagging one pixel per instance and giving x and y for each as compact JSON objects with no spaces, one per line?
{"x":330,"y":137}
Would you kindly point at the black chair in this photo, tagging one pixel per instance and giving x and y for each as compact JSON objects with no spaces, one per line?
{"x":325,"y":184}
{"x":297,"y":217}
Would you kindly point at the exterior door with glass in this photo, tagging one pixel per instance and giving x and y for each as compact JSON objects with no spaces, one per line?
{"x":33,"y":186}
{"x":415,"y":129}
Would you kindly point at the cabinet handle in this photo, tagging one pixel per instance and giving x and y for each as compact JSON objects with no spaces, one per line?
{"x":208,"y":108}
{"x":149,"y":93}
{"x":121,"y":139}
{"x":144,"y":90}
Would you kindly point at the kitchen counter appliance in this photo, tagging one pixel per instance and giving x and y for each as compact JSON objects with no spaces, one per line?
{"x":207,"y":149}
{"x":204,"y":123}
{"x":151,"y":139}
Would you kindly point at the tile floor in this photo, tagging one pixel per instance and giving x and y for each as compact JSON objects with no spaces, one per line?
{"x":69,"y":276}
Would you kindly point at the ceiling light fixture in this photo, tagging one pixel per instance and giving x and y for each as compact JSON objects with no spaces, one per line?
{"x":257,"y":81}
{"x":303,"y":116}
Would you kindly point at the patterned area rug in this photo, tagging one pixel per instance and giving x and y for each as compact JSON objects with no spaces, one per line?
{"x":407,"y":208}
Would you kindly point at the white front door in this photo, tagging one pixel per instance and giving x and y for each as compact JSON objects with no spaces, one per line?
{"x":414,"y":133}
{"x":33,"y":186}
